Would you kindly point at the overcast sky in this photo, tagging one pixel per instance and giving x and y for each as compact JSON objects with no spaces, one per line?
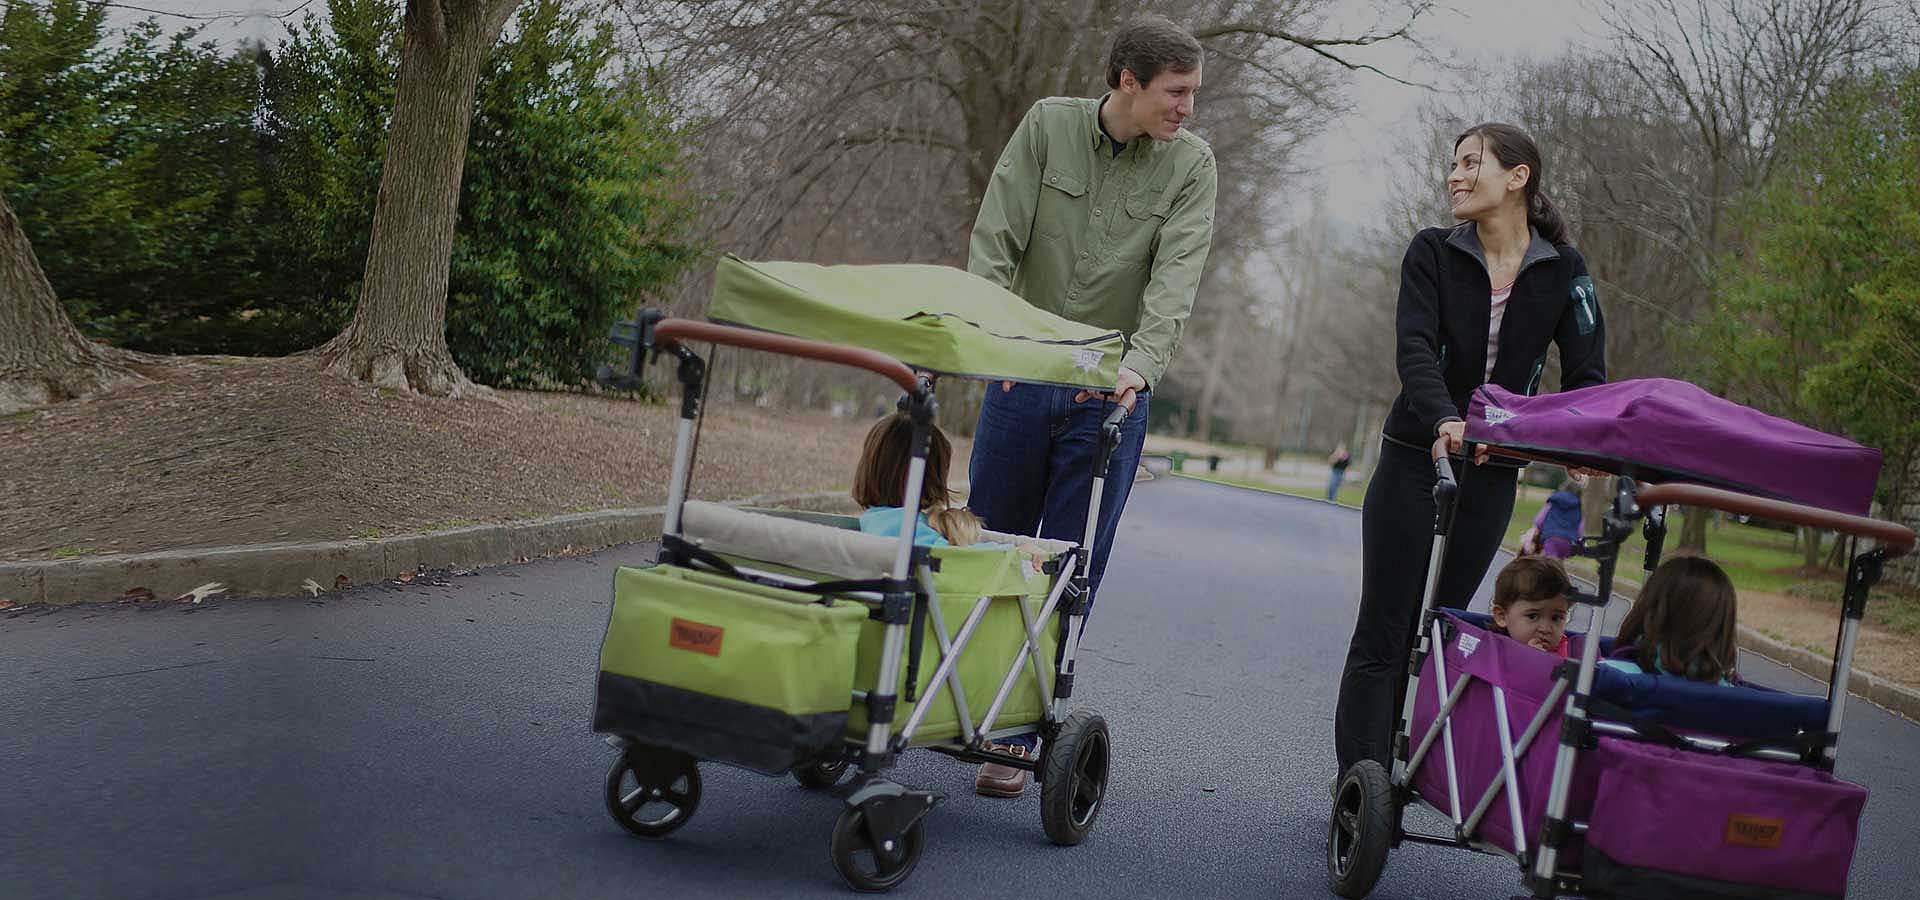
{"x":1348,"y":159}
{"x":1489,"y":34}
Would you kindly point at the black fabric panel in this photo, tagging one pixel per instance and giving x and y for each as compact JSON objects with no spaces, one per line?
{"x":1603,"y":878}
{"x":713,"y":728}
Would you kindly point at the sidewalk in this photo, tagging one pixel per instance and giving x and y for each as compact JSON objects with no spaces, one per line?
{"x":316,"y":567}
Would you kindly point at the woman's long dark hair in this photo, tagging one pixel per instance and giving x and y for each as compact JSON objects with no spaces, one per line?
{"x":1514,"y":147}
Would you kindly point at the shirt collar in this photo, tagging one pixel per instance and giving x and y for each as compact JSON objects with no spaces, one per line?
{"x":1100,"y":140}
{"x":1466,"y":237}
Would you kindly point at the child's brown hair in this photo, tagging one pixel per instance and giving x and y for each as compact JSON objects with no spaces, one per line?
{"x":882,"y":476}
{"x":1530,"y":578}
{"x":1683,"y":622}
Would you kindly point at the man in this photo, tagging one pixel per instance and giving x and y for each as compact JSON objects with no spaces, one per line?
{"x":1100,"y":211}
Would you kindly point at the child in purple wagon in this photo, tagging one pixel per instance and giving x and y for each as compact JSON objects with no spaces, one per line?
{"x":1530,"y":603}
{"x":1683,"y":624}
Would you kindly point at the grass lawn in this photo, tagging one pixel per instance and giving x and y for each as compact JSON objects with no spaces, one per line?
{"x":1350,"y":493}
{"x":1758,"y":559}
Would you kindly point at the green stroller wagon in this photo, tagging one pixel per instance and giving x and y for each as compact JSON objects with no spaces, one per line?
{"x":791,"y":642}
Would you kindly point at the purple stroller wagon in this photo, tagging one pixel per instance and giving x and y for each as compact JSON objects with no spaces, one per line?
{"x":1598,"y":783}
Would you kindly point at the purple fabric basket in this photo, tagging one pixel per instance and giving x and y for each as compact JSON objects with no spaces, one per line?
{"x":1740,"y":823}
{"x":1750,"y":821}
{"x":1659,"y":429}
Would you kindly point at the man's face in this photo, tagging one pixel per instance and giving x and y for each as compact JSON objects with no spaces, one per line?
{"x":1540,"y":623}
{"x":1161,"y":106}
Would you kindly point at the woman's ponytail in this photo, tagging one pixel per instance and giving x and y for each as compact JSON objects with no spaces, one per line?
{"x":1545,"y":218}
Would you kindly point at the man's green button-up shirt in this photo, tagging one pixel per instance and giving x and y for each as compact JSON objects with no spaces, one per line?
{"x":1110,"y":241}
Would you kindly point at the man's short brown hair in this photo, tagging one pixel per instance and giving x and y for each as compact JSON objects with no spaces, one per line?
{"x":1148,"y":46}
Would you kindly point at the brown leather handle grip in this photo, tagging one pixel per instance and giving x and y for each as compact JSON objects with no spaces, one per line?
{"x":1897,"y":539}
{"x":675,"y":330}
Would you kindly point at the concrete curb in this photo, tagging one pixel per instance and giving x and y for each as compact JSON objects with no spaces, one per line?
{"x":1892,"y":696}
{"x":283,"y":569}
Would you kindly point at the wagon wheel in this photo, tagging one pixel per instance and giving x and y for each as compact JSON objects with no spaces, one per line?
{"x":1074,"y":784}
{"x":651,"y":791}
{"x":868,"y":865}
{"x":1360,"y":831}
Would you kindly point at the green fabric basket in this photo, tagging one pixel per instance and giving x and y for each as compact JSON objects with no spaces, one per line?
{"x":726,"y":670}
{"x":983,"y":662}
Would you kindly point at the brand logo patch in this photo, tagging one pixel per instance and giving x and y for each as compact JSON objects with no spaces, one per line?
{"x":696,"y":637}
{"x":1498,"y":416}
{"x":1755,"y":831}
{"x":1583,"y":298}
{"x":1087,"y":359}
{"x":1467,"y":644}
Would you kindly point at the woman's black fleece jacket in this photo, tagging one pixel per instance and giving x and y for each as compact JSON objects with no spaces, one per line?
{"x":1445,"y":304}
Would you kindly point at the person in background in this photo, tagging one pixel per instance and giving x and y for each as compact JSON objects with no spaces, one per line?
{"x":1557,"y":526}
{"x":1337,"y":463}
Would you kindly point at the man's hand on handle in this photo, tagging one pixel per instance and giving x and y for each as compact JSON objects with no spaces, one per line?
{"x":1124,"y":390}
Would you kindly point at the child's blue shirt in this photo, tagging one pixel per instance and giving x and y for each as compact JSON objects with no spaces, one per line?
{"x":886,"y":520}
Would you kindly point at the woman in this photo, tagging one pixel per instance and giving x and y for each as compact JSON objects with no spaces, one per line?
{"x":1479,"y":302}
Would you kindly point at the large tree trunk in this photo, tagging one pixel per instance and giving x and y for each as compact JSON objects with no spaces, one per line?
{"x":398,"y":336}
{"x":43,"y":358}
{"x":1693,"y":529}
{"x":1810,"y":547}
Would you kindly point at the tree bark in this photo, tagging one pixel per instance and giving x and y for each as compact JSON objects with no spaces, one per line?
{"x":398,"y":336}
{"x":1810,"y":547}
{"x":43,"y":357}
{"x":1693,"y":529}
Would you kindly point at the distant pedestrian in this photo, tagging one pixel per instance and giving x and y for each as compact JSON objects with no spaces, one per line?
{"x":1557,"y":526}
{"x":1337,"y":462}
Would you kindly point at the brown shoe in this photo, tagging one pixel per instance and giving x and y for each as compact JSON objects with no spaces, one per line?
{"x":996,"y":780}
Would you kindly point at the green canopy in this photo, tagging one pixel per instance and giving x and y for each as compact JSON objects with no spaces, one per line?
{"x":935,"y":318}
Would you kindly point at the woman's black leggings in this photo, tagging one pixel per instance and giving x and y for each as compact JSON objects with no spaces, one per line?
{"x":1396,"y":543}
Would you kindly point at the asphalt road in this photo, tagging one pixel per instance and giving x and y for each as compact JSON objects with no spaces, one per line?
{"x":431,"y":741}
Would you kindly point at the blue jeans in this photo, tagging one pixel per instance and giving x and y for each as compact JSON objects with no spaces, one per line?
{"x":1032,"y":470}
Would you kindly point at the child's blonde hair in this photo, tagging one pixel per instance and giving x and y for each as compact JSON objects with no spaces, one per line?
{"x":1683,"y":622}
{"x":882,"y":476}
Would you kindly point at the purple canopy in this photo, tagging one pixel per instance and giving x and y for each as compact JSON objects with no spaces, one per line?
{"x":1659,"y":429}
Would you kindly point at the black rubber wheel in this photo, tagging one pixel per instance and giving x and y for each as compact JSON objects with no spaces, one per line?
{"x":822,"y":774}
{"x":1360,"y":832}
{"x":866,"y":867}
{"x":1073,"y":785}
{"x":651,"y":791}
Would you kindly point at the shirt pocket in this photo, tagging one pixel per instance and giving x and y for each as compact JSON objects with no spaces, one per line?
{"x":1062,"y":203}
{"x":1147,"y":211}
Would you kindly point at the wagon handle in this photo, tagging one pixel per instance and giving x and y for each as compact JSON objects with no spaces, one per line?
{"x":671,"y":331}
{"x":1897,"y":539}
{"x":1442,"y":465}
{"x":1445,"y":492}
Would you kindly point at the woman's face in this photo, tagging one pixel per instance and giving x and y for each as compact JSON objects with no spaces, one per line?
{"x":1479,"y":184}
